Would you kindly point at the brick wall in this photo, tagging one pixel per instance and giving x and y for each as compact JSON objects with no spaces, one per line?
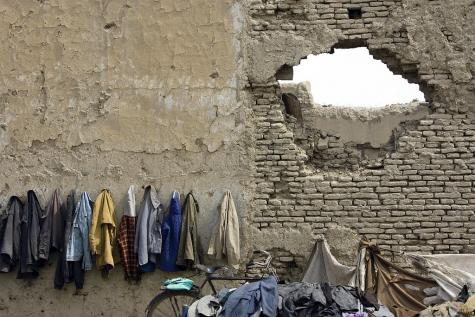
{"x":420,"y":196}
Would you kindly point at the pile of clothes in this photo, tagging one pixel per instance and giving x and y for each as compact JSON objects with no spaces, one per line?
{"x":266,"y":298}
{"x":374,"y":287}
{"x":85,"y":233}
{"x":253,"y":299}
{"x":322,"y":299}
{"x":464,"y":306}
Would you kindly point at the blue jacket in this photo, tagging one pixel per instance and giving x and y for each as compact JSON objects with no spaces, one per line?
{"x":249,"y":298}
{"x":78,"y":243}
{"x":171,"y":229}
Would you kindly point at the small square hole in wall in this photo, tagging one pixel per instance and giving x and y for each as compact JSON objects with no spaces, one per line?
{"x":354,"y":13}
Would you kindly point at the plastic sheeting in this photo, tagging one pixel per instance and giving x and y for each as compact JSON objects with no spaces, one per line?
{"x":403,"y":292}
{"x":450,"y":271}
{"x":324,"y":267}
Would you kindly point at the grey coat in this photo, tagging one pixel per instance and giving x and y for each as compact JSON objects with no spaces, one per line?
{"x":46,"y":223}
{"x":148,"y":235}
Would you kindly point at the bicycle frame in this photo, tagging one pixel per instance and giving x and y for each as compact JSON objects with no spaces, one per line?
{"x":210,"y":278}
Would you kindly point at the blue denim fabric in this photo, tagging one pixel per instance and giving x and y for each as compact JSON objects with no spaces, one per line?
{"x":171,"y":229}
{"x":248,"y":299}
{"x":78,"y":244}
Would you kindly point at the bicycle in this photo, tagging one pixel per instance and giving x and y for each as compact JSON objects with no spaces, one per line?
{"x":170,"y":303}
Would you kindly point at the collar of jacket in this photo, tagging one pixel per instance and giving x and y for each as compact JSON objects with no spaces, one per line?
{"x":130,"y":208}
{"x":85,"y":197}
{"x":153,"y":196}
{"x":11,"y":202}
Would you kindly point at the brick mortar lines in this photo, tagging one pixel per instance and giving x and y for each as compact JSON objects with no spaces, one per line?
{"x":422,"y":199}
{"x":295,"y":17}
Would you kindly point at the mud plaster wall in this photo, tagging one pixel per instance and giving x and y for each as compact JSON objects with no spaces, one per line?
{"x":409,"y":188}
{"x":182,"y":94}
{"x":104,"y":94}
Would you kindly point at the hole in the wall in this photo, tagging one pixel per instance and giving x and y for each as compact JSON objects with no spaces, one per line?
{"x":110,"y":25}
{"x":354,"y":13}
{"x":353,"y":77}
{"x":285,"y":72}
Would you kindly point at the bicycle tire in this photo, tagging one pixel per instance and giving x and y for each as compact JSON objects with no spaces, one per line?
{"x":170,"y":303}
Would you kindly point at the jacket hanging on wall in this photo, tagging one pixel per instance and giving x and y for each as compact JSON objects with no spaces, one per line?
{"x":189,"y":249}
{"x":148,"y":234}
{"x":171,"y":229}
{"x":103,"y":231}
{"x":78,"y":244}
{"x":78,"y":254}
{"x":126,"y":238}
{"x":29,"y":237}
{"x":45,"y":242}
{"x":64,"y":221}
{"x":57,"y":232}
{"x":10,"y":235}
{"x":224,"y":241}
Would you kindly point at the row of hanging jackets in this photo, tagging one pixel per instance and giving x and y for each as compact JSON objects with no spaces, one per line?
{"x":84,"y":233}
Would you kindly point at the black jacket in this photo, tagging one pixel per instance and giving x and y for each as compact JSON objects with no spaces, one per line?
{"x":10,"y":227}
{"x":65,"y":271}
{"x":29,"y":237}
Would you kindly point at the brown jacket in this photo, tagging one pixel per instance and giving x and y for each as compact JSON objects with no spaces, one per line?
{"x":224,"y":241}
{"x":189,"y":249}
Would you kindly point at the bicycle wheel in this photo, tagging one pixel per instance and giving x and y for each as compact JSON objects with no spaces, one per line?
{"x":170,"y":303}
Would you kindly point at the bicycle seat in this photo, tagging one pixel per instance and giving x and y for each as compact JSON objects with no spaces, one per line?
{"x":208,"y":269}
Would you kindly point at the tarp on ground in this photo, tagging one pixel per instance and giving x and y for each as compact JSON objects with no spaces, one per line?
{"x":450,"y":271}
{"x":400,"y":290}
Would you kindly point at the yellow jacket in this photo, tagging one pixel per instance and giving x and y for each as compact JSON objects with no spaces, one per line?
{"x":103,"y":230}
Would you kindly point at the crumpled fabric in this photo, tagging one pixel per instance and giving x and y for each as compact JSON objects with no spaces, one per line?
{"x":29,"y":237}
{"x":448,"y":309}
{"x":401,"y":291}
{"x":302,"y":299}
{"x":225,"y":240}
{"x":103,"y":231}
{"x":10,"y":234}
{"x":171,"y":230}
{"x":148,"y":233}
{"x":248,"y":299}
{"x":189,"y":249}
{"x":178,"y":284}
{"x":469,"y":306}
{"x":345,"y":297}
{"x":207,"y":306}
{"x":324,"y":267}
{"x":450,"y":271}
